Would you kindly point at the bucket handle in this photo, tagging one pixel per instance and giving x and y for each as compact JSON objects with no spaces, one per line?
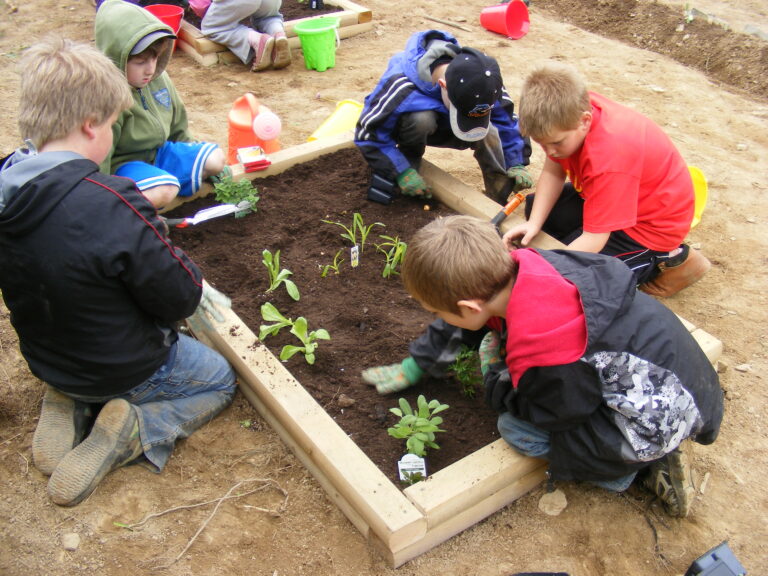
{"x":338,"y":38}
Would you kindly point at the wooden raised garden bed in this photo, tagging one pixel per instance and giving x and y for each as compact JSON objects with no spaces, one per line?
{"x":354,"y":19}
{"x":401,"y":524}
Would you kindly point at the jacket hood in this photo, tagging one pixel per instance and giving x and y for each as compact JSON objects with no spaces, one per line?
{"x":25,"y":198}
{"x":119,"y":27}
{"x":421,"y":50}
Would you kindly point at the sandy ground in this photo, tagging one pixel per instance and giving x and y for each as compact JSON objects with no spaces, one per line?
{"x":287,"y":526}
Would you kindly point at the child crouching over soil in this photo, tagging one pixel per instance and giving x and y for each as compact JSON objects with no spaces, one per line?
{"x":600,"y":380}
{"x":94,"y":287}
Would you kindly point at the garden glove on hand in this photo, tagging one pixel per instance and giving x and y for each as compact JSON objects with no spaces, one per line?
{"x":211,"y":299}
{"x":489,"y":351}
{"x":521,"y":180}
{"x":412,"y":184}
{"x":394,"y":377}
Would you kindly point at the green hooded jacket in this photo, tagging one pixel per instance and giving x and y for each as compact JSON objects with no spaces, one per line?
{"x":158,"y":114}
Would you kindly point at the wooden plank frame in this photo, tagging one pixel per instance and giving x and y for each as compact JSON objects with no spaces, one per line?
{"x":354,"y":19}
{"x":401,"y":524}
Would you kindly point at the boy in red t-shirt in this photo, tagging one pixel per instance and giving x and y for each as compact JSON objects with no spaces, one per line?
{"x":629,"y":194}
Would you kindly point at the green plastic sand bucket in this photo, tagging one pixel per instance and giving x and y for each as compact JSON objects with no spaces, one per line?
{"x":319,"y":39}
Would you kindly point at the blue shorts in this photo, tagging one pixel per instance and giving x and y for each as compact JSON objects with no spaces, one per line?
{"x":177,"y":163}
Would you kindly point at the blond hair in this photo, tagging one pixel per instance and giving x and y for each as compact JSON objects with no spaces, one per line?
{"x":554,"y":97}
{"x":63,"y":84}
{"x":456,"y":258}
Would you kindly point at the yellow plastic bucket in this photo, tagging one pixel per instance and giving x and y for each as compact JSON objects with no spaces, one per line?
{"x":319,"y":39}
{"x":700,"y":191}
{"x":343,"y":119}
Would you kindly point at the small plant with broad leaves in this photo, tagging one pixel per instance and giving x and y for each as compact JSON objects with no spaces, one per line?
{"x":466,"y":369}
{"x":277,"y":275}
{"x":418,"y":427}
{"x":299,"y":328}
{"x":357,"y":233}
{"x":231,"y":191}
{"x":394,"y":251}
{"x":337,"y":260}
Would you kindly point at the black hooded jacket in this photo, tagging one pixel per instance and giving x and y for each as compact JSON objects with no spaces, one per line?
{"x":94,"y":287}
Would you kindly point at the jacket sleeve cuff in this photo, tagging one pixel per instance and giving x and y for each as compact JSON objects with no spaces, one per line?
{"x":411,"y":370}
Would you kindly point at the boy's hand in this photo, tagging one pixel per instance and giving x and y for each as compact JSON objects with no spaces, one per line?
{"x":521,"y":179}
{"x":520,"y":235}
{"x":490,"y":351}
{"x":412,"y":184}
{"x":395,"y":377}
{"x":211,"y":299}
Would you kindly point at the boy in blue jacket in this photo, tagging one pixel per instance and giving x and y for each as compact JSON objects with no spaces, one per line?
{"x":94,"y":287}
{"x":436,"y":93}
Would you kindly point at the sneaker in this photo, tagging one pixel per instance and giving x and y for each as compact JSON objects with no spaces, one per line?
{"x":281,"y":55}
{"x":670,"y":479}
{"x":63,"y":424}
{"x":263,"y":46}
{"x":674,"y":276}
{"x":113,"y":442}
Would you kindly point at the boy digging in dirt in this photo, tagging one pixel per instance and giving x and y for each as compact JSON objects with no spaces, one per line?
{"x":436,"y":93}
{"x":600,"y":380}
{"x":94,"y":288}
{"x":630,"y":193}
{"x":152,"y":143}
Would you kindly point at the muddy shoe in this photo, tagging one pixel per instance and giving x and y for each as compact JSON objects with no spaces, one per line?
{"x":670,"y":479}
{"x":113,"y":442}
{"x":674,"y":277}
{"x":62,"y":426}
{"x":263,"y":45}
{"x":281,"y":55}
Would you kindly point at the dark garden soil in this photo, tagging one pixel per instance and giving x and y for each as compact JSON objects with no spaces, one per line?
{"x":370,"y":319}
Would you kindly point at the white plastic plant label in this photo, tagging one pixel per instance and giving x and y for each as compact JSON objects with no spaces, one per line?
{"x":354,"y":256}
{"x":410,"y":467}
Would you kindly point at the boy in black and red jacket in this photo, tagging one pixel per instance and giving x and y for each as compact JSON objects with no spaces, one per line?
{"x":586,"y":372}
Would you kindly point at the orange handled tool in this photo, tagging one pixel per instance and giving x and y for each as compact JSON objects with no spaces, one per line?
{"x":516,"y":200}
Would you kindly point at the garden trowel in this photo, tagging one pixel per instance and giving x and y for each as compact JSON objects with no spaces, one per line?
{"x":510,"y":207}
{"x":208,"y":214}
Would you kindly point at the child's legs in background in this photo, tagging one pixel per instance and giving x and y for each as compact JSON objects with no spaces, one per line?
{"x":221,"y":24}
{"x":267,"y":18}
{"x":529,"y":440}
{"x":191,"y":163}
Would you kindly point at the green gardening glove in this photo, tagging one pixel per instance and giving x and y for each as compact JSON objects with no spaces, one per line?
{"x":394,"y":377}
{"x":521,"y":180}
{"x":412,"y":184}
{"x":489,"y":351}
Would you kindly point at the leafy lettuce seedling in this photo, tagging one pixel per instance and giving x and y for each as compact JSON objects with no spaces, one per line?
{"x":418,"y":427}
{"x":278,"y":276}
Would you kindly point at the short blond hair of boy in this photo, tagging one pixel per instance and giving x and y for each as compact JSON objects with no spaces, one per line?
{"x":456,"y":258}
{"x":554,"y":97}
{"x":63,"y":84}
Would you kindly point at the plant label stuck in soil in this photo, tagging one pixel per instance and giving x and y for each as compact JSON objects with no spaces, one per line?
{"x":410,"y":466}
{"x":354,"y":256}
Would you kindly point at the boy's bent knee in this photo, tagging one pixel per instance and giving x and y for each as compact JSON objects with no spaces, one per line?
{"x":159,"y":196}
{"x":215,"y":163}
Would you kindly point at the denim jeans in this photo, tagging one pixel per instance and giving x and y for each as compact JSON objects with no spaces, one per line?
{"x":532,"y":441}
{"x":193,"y":386}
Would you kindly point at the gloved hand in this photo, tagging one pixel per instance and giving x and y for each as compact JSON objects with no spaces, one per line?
{"x":521,"y":179}
{"x":489,"y":351}
{"x":394,"y":377}
{"x":211,"y":299}
{"x":412,"y":184}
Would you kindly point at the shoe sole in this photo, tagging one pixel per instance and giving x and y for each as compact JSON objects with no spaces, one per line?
{"x":281,"y":55}
{"x":55,"y":433}
{"x":81,"y":470}
{"x":262,"y":61}
{"x":680,"y":477}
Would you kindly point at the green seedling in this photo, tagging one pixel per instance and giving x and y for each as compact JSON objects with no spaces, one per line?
{"x":230,"y":191}
{"x":278,"y":276}
{"x":394,"y":250}
{"x":337,"y":260}
{"x":271,"y":314}
{"x":358,"y":232}
{"x":308,"y":340}
{"x":418,"y":427}
{"x":466,"y":369}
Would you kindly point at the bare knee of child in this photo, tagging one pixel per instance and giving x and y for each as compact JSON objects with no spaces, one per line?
{"x":161,"y":195}
{"x":215,"y":163}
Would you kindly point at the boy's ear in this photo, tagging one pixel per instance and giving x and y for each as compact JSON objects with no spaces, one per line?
{"x":586,"y":120}
{"x":89,"y":128}
{"x":473,"y":305}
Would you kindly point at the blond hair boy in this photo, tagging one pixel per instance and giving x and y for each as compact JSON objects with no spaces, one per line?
{"x":94,"y":287}
{"x":586,"y":372}
{"x":628,"y":194}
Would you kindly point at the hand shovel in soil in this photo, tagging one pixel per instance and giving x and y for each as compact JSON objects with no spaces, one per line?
{"x":208,"y":214}
{"x":510,"y":207}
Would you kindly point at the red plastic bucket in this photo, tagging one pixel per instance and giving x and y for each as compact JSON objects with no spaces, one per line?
{"x":167,"y":14}
{"x":510,"y":19}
